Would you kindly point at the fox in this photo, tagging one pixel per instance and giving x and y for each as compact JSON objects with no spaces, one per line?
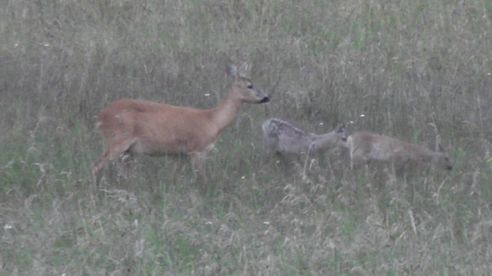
{"x":367,"y":147}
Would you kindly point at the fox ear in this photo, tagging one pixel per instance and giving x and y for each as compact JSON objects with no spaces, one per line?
{"x":340,"y":128}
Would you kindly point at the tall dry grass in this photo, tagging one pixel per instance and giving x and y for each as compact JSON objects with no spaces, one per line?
{"x":417,"y":70}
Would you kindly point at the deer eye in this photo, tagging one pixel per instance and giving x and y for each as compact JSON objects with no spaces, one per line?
{"x":250,"y":86}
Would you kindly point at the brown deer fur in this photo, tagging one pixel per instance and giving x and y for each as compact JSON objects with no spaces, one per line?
{"x":145,"y":127}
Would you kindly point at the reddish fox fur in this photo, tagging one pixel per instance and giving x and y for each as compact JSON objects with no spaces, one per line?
{"x":365,"y":147}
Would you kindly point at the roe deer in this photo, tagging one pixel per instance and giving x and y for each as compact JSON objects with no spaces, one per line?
{"x":283,"y":137}
{"x":365,"y":147}
{"x":144,"y":127}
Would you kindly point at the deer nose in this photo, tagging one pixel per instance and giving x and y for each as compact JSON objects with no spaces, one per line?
{"x":265,"y":100}
{"x":449,"y":167}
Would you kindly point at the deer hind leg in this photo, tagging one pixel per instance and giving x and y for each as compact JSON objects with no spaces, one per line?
{"x":113,"y":151}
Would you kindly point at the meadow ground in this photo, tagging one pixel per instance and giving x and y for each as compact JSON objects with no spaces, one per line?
{"x":416,"y":70}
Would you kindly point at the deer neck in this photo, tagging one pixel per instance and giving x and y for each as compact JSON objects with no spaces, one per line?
{"x":324,"y":140}
{"x":434,"y":155}
{"x":226,"y":111}
{"x":423,"y":153}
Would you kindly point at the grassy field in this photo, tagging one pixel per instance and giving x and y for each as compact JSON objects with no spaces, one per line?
{"x":416,"y":70}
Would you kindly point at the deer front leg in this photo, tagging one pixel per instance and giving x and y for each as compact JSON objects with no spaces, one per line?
{"x":113,"y":150}
{"x":198,"y":164}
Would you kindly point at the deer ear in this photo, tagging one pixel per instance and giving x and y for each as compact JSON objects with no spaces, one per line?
{"x":231,"y":71}
{"x":440,"y":148}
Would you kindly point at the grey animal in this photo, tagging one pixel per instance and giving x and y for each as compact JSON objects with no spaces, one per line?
{"x":283,"y":137}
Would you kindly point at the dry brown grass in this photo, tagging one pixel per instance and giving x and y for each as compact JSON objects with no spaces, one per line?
{"x":405,"y":65}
